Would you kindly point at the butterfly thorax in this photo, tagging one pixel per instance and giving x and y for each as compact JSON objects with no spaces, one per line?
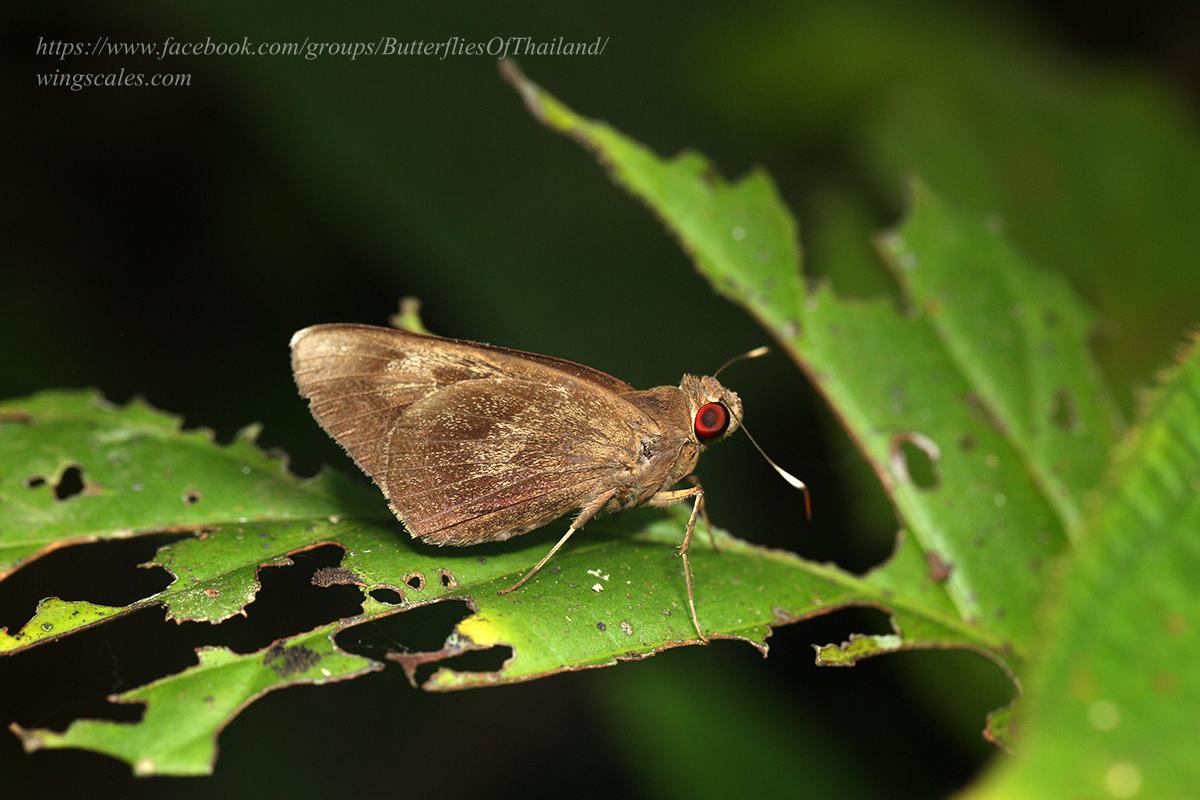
{"x":664,"y":452}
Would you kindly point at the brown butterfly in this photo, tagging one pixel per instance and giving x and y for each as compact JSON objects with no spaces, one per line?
{"x":474,"y":443}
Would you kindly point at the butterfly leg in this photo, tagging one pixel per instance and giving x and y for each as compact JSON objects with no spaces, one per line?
{"x":669,"y":498}
{"x":694,"y":481}
{"x":590,"y":510}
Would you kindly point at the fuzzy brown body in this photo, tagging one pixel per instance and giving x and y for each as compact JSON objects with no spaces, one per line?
{"x":473,"y":443}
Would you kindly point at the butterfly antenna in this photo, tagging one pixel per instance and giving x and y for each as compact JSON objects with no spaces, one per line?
{"x":755,"y":353}
{"x":783,"y":473}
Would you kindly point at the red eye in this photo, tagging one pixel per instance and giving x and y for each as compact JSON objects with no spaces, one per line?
{"x":711,"y":420}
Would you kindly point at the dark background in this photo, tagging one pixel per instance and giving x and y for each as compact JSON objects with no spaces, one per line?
{"x":167,"y":242}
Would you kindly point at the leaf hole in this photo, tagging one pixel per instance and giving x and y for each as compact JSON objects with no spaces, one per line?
{"x":70,"y":484}
{"x":291,"y":600}
{"x":35,"y":482}
{"x":105,"y":572}
{"x":191,"y":497}
{"x":914,"y":459}
{"x":386,"y":595}
{"x":491,"y":659}
{"x":1062,"y":411}
{"x":420,"y":629}
{"x":75,"y":675}
{"x":447,"y":578}
{"x":416,"y":580}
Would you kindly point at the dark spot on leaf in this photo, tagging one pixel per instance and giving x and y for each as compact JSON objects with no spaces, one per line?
{"x":1050,"y":318}
{"x":416,"y":580}
{"x":70,"y":484}
{"x":1062,"y":411}
{"x":386,"y":595}
{"x":600,"y":626}
{"x":288,"y":661}
{"x":1000,"y":613}
{"x":914,"y":458}
{"x":16,"y":416}
{"x":1177,"y":625}
{"x":966,"y":442}
{"x":191,"y":497}
{"x":35,"y":481}
{"x":981,"y":411}
{"x":332,"y":576}
{"x":211,"y":592}
{"x":448,"y":579}
{"x":939,"y":568}
{"x":1166,"y":683}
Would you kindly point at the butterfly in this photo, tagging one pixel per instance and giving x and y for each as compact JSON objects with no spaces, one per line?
{"x":474,"y":443}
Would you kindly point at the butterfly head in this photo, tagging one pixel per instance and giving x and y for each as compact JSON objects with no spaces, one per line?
{"x":716,"y":412}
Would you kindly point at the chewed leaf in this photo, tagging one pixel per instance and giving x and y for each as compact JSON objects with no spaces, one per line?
{"x":979,"y":408}
{"x":140,"y":473}
{"x":185,"y":712}
{"x":1020,"y":336}
{"x":617,"y":593}
{"x":54,"y":618}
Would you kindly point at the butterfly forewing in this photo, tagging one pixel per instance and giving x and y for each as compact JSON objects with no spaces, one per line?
{"x":468,"y":442}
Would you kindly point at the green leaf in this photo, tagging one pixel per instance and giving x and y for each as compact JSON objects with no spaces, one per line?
{"x":1111,"y":708}
{"x":986,"y":484}
{"x":133,"y":483}
{"x":1089,"y":162}
{"x":1020,"y":337}
{"x":616,"y":594}
{"x":177,"y":735}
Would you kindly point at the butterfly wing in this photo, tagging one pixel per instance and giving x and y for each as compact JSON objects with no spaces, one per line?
{"x":468,"y":442}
